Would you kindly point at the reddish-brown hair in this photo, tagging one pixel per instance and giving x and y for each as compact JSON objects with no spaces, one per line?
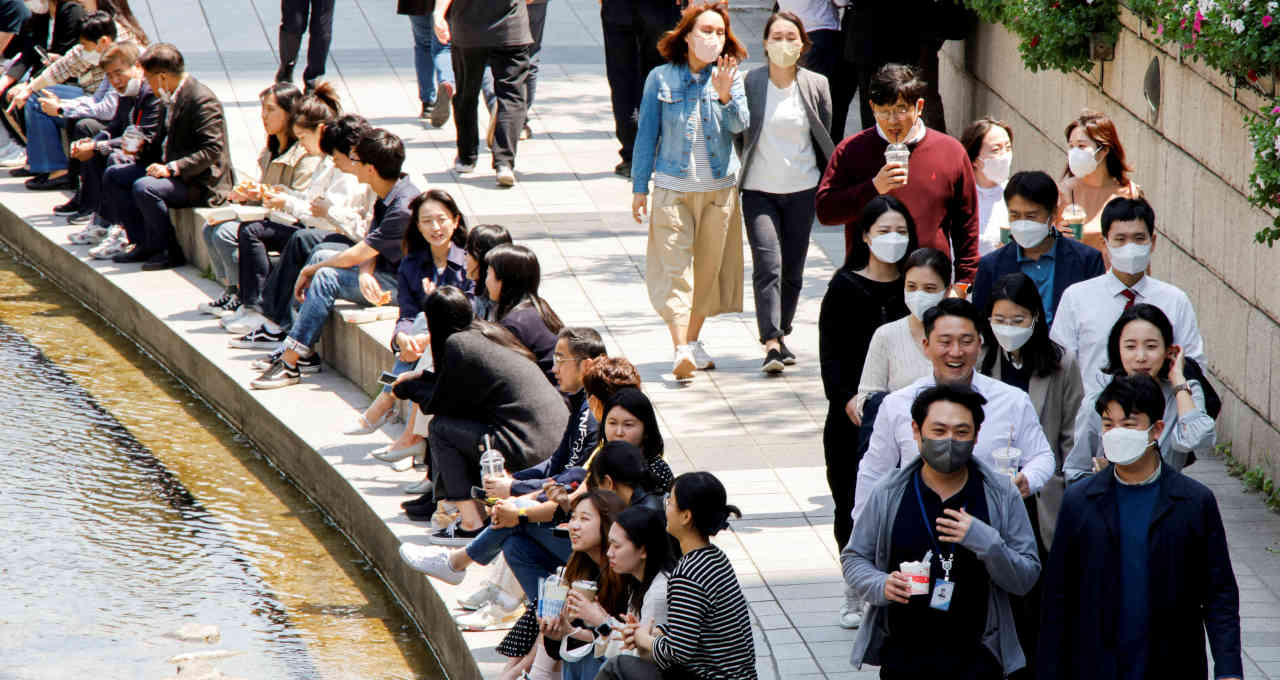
{"x":604,"y":376}
{"x":674,"y":49}
{"x":1098,"y":127}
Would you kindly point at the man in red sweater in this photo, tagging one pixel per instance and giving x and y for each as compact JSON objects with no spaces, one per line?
{"x":936,"y":185}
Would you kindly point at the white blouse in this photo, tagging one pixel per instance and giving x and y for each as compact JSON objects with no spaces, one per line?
{"x":993,"y":216}
{"x":350,"y":202}
{"x":785,"y":162}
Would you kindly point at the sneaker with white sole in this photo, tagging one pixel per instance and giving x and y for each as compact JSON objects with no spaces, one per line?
{"x":454,"y":535}
{"x":683,"y":366}
{"x":492,"y":616}
{"x":701,"y":359}
{"x":228,"y":300}
{"x":244,"y":321}
{"x":506,"y":176}
{"x":463,"y":168}
{"x":114,"y":243}
{"x":259,"y":338}
{"x":432,"y":562}
{"x":486,"y":594}
{"x":91,"y":235}
{"x":851,"y":610}
{"x":306,"y":365}
{"x":279,"y":375}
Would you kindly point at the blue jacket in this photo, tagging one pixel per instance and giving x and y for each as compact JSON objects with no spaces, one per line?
{"x":1191,"y":588}
{"x":417,"y":266}
{"x":664,"y":139}
{"x":580,"y":438}
{"x":1075,"y":262}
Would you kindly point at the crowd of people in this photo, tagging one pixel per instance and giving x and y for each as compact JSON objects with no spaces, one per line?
{"x":994,"y":346}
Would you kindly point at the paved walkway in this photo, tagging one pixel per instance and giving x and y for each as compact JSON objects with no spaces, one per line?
{"x":760,"y":435}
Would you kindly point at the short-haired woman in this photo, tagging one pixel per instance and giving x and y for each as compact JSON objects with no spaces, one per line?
{"x":692,"y":108}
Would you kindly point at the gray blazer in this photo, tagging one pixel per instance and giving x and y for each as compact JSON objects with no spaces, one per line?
{"x":1006,"y":546}
{"x":1057,"y":399}
{"x":814,"y":95}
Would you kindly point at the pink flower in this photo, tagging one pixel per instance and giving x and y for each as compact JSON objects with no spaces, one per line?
{"x":1195,"y":25}
{"x":1276,"y":111}
{"x":1160,"y":29}
{"x":1183,"y":24}
{"x":1266,"y":21}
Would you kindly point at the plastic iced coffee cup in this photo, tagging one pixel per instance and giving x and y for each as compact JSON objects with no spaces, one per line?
{"x":131,"y":140}
{"x":1073,"y":216}
{"x":917,"y":574}
{"x":587,"y":589}
{"x":553,"y":596}
{"x":1006,"y":460}
{"x":898,"y":153}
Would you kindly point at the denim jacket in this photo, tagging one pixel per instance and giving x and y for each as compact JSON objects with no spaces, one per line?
{"x":664,"y":140}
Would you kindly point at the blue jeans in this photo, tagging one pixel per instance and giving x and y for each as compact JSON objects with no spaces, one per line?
{"x":431,"y":60}
{"x":586,"y":669}
{"x":44,"y":137}
{"x":533,"y":555}
{"x":327,"y":287}
{"x":223,"y":242}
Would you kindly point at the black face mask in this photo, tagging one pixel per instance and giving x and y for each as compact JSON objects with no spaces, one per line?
{"x":946,"y":455}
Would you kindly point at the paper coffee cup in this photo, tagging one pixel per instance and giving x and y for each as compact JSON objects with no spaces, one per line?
{"x":918,"y":575}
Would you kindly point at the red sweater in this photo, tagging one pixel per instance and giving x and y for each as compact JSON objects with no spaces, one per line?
{"x":939,"y":193}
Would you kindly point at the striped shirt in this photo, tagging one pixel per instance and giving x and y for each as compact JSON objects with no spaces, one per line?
{"x":708,"y":631}
{"x":700,"y":178}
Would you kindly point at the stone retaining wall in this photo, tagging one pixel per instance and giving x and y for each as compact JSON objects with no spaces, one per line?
{"x":1192,"y":159}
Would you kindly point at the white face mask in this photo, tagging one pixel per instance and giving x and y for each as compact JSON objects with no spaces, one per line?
{"x":165,"y":97}
{"x":1011,"y":338}
{"x":919,"y":302}
{"x":1028,"y":233}
{"x":996,"y":168}
{"x":1131,"y":258}
{"x":134,"y":86}
{"x":1081,"y":162}
{"x":38,"y":6}
{"x":92,"y":57}
{"x":706,"y":49}
{"x":889,"y":247}
{"x":784,"y":53}
{"x":1123,"y":446}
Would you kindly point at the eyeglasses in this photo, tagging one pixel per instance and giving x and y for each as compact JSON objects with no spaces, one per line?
{"x":558,"y":359}
{"x":896,"y":112}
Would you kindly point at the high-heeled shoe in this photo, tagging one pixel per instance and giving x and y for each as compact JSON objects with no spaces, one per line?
{"x":388,"y":454}
{"x":361,"y":425}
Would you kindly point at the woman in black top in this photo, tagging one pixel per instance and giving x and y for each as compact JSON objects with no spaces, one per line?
{"x":512,"y":280}
{"x":708,"y":631}
{"x":863,"y":295}
{"x":480,"y":241}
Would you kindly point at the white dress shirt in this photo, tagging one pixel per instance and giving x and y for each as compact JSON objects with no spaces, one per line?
{"x":1090,"y":308}
{"x":1008,"y":411}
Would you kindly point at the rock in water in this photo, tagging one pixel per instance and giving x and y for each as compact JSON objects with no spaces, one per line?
{"x":202,"y":657}
{"x":197,"y":632}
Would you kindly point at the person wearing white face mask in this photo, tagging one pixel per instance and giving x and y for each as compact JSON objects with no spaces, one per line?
{"x":1089,"y":308}
{"x":1140,"y":548}
{"x":1054,"y":263}
{"x":864,"y":294}
{"x":784,"y":150}
{"x":989,"y":143}
{"x":1096,"y":173}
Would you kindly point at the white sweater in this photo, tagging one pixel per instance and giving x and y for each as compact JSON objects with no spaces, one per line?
{"x":350,"y":202}
{"x":894,"y":360}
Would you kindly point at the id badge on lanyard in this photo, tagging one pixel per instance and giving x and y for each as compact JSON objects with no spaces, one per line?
{"x":944,"y":589}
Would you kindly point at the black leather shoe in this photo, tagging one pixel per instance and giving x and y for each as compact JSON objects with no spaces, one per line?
{"x":47,"y":183}
{"x":622,"y":169}
{"x":135,"y":254}
{"x":423,"y":500}
{"x":71,"y":207}
{"x":162,"y":260}
{"x":24,"y":172}
{"x":421,"y":513}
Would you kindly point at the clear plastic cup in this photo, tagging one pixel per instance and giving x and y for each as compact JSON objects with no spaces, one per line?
{"x":898,"y":153}
{"x":1006,"y":460}
{"x":132,"y":140}
{"x":586,"y":589}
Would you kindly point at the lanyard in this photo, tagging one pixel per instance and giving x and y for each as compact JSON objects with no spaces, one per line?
{"x":946,"y":561}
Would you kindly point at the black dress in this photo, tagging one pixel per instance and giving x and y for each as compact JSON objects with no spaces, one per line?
{"x":853,"y":308}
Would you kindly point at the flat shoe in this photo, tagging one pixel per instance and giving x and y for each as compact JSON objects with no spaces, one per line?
{"x":361,"y":425}
{"x":387,"y":454}
{"x":424,"y":486}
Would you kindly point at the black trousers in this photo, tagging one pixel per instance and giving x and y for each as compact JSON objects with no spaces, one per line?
{"x":840,"y":444}
{"x":294,"y":15}
{"x":82,"y":128}
{"x":510,"y":66}
{"x":537,"y":26}
{"x":253,"y":241}
{"x":277,"y":291}
{"x":924,"y":56}
{"x":455,"y":455}
{"x":778,"y":227}
{"x":631,"y":34}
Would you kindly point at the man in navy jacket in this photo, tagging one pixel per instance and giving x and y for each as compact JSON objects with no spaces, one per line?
{"x":1139,"y":569}
{"x":1052,"y":261}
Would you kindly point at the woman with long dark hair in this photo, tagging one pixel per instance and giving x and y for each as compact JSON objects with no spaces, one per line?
{"x":692,"y":108}
{"x":863,"y":295}
{"x":482,"y":239}
{"x":283,"y":162}
{"x":1141,"y":341}
{"x":1097,"y":172}
{"x":512,"y":281}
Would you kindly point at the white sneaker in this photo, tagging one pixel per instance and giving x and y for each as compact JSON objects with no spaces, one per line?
{"x":115,"y":243}
{"x":682,"y":366}
{"x":91,"y":235}
{"x":245,"y":321}
{"x":851,"y":610}
{"x":486,"y":594}
{"x":432,"y":562}
{"x":506,"y":176}
{"x":463,"y":168}
{"x":701,"y":359}
{"x":492,"y":616}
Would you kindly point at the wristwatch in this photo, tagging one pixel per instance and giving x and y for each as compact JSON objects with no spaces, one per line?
{"x":523,"y":514}
{"x":604,"y":630}
{"x":1184,"y":387}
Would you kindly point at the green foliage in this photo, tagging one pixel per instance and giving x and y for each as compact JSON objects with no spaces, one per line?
{"x":1264,"y":181}
{"x":1255,"y":480}
{"x":1054,"y":33}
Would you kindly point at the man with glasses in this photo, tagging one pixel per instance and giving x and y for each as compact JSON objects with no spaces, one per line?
{"x":935,"y":181}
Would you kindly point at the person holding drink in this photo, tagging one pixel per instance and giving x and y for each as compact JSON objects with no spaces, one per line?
{"x":1096,"y":173}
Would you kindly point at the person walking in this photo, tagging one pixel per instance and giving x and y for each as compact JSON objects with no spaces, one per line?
{"x":432,"y":62}
{"x":785,"y":148}
{"x":691,"y":110}
{"x":632,"y":29}
{"x":296,"y":18}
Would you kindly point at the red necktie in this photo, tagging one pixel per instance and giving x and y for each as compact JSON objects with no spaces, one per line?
{"x":1130,"y":296}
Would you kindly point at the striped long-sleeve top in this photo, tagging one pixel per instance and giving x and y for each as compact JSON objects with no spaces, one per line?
{"x":708,"y":630}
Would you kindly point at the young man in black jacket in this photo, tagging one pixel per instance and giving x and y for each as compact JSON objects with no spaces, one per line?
{"x":1139,"y":569}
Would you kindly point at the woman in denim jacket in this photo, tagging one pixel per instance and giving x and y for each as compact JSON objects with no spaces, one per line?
{"x":691,"y":110}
